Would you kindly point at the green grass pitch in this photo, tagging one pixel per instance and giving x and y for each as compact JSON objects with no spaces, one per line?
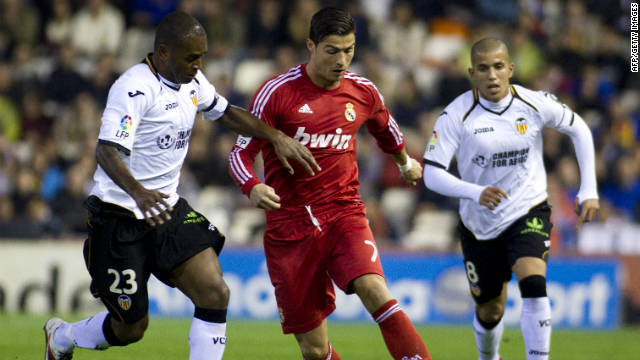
{"x":21,"y":337}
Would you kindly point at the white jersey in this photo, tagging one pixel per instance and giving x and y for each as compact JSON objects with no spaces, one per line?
{"x":149,"y":119}
{"x":498,"y":144}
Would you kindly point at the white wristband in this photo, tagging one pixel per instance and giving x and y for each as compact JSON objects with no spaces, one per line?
{"x":406,"y":167}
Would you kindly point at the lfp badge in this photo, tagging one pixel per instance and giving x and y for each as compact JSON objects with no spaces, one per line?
{"x":350,"y":112}
{"x":126,"y":122}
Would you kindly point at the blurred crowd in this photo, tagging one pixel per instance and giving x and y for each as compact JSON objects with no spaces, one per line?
{"x":58,"y":59}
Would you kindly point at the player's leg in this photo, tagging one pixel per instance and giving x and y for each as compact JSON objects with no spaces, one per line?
{"x":296,"y":254}
{"x":187,"y":258}
{"x":314,"y":344}
{"x":488,"y":326}
{"x":487,"y":269}
{"x":528,"y":250}
{"x":119,"y":281}
{"x":399,"y":334}
{"x":355,"y":266}
{"x":535,"y":319}
{"x":200,"y":278}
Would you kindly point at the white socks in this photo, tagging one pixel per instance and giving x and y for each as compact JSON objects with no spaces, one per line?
{"x":487,"y":341}
{"x":86,"y":333}
{"x":535,"y":323}
{"x":207,"y":340}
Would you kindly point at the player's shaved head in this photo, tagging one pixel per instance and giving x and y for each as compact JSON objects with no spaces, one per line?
{"x":175,"y":27}
{"x":487,"y":45}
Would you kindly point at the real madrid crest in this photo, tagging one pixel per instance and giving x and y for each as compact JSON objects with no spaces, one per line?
{"x":521,"y":125}
{"x":350,"y":112}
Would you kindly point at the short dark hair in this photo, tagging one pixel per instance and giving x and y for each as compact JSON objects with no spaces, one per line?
{"x":330,"y":21}
{"x":175,"y":27}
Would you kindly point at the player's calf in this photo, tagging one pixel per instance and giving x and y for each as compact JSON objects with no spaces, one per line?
{"x":535,"y":320}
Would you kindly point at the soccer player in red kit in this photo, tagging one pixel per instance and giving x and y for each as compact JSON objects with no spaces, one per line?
{"x":316,"y":226}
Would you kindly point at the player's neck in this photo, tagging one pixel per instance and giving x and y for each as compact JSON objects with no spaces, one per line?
{"x":503,"y":102}
{"x":318,"y":80}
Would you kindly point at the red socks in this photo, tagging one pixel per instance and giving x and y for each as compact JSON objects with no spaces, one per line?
{"x":402,"y":339}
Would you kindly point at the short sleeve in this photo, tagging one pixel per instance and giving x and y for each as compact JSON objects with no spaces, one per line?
{"x":127,"y":103}
{"x":444,"y":141}
{"x":212,"y":104}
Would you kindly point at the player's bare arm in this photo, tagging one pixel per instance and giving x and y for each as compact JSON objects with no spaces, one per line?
{"x":492,"y":196}
{"x":150,"y":202}
{"x":244,"y":123}
{"x":264,"y":196}
{"x":410,"y":168}
{"x":586,"y":211}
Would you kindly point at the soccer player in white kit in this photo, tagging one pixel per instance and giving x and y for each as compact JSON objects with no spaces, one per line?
{"x":495,"y":133}
{"x":138,"y":224}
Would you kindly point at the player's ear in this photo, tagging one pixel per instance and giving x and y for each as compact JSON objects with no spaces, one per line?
{"x":163,"y":52}
{"x":510,"y":70}
{"x":310,"y":45}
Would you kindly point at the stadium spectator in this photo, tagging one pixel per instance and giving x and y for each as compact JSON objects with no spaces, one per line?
{"x":138,"y":224}
{"x":97,"y":28}
{"x":317,"y":233}
{"x":495,"y":132}
{"x":58,"y":28}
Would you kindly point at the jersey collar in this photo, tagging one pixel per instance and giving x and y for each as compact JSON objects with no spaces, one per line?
{"x":147,"y":60}
{"x":499,"y":106}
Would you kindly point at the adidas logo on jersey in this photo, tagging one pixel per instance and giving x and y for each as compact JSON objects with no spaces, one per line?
{"x":338,"y":140}
{"x":305,"y":109}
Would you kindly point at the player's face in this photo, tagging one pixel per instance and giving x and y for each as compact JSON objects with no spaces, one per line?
{"x":490,"y":74}
{"x":185,"y":59}
{"x":330,"y":58}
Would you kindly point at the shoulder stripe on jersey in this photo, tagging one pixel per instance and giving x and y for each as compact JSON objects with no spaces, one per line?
{"x":149,"y":63}
{"x":265,"y":93}
{"x":364,"y":81}
{"x":395,"y":130}
{"x":116,"y":145}
{"x":433,"y":163}
{"x":573,"y":115}
{"x":238,"y":168}
{"x":475,"y":102}
{"x":515,"y":94}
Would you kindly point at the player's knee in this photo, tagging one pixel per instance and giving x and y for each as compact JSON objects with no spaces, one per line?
{"x":130,"y":333}
{"x":490,"y":312}
{"x":313,"y":352}
{"x":533,"y":286}
{"x":214,"y":295}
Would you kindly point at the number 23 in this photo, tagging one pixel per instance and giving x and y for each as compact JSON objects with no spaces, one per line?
{"x":130,"y":281}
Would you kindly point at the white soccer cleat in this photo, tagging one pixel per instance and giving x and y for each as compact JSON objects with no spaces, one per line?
{"x":52,"y":351}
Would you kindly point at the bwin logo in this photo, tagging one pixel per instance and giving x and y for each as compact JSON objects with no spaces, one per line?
{"x":219,"y":340}
{"x":336,"y":140}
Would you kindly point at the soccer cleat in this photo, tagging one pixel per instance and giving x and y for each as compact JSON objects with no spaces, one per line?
{"x":53,"y":352}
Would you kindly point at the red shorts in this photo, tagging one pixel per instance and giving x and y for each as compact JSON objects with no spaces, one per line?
{"x":307,"y":252}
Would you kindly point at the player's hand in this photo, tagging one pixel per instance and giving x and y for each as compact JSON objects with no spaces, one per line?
{"x":286,"y":148}
{"x":414,"y":174}
{"x":264,"y":197}
{"x":492,"y":196}
{"x":153,"y":206}
{"x":587,"y":212}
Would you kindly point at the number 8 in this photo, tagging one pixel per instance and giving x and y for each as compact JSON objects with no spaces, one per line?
{"x":471,"y":272}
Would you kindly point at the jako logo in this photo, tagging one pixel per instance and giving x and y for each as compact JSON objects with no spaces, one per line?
{"x":336,"y":140}
{"x":219,"y":340}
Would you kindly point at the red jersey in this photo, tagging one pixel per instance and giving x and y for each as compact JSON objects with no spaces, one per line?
{"x":326,"y":122}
